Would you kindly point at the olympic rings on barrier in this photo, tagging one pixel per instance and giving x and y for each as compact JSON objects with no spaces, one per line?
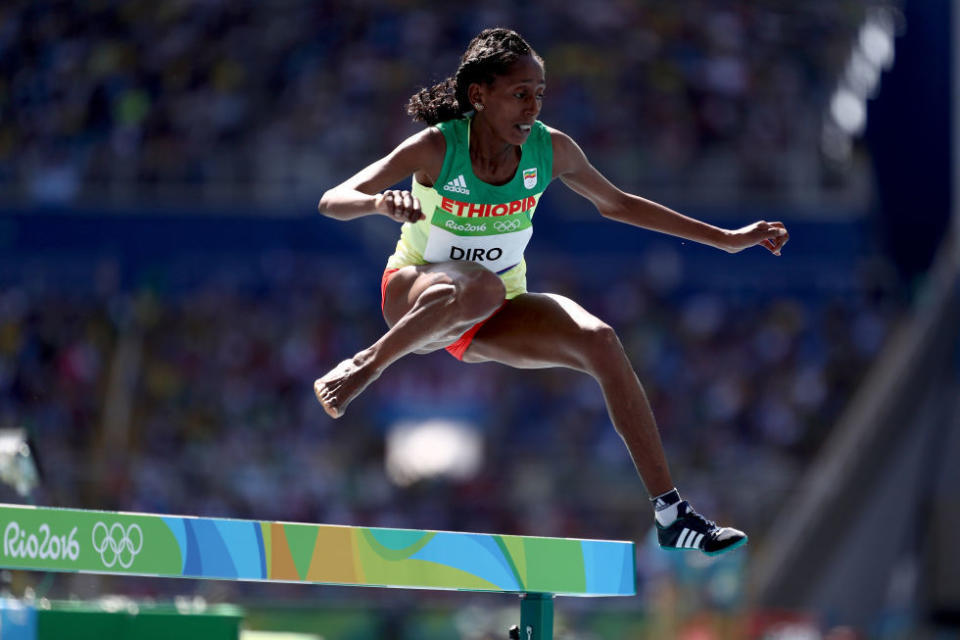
{"x":117,"y":545}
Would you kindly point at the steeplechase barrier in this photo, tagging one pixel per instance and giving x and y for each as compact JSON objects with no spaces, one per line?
{"x":141,"y":544}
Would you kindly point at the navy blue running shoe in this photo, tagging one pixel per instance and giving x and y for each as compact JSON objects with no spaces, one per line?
{"x":692,"y":531}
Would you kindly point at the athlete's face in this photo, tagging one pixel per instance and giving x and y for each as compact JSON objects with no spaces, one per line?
{"x":511,"y":103}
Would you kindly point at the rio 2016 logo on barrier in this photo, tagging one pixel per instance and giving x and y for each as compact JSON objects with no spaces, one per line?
{"x":42,"y":544}
{"x":117,"y":545}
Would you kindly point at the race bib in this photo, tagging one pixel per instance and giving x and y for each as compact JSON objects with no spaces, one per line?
{"x":497,"y":243}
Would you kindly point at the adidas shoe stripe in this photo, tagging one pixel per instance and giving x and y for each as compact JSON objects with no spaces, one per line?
{"x":689,"y":539}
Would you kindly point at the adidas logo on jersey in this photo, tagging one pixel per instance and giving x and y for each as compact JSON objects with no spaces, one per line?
{"x":458,"y":184}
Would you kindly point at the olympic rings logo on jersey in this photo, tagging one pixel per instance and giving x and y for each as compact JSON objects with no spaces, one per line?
{"x":506,"y":225}
{"x":117,"y":545}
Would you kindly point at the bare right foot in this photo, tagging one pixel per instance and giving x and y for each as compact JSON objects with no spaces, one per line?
{"x":342,"y":384}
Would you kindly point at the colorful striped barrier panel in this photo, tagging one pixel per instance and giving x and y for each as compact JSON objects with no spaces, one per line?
{"x":75,"y":540}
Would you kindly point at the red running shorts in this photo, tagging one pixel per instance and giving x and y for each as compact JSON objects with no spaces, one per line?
{"x":458,"y":348}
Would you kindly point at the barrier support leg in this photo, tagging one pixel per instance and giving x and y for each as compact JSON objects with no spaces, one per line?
{"x":536,"y":616}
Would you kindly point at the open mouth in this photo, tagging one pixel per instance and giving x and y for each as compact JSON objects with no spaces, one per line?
{"x":524,"y":128}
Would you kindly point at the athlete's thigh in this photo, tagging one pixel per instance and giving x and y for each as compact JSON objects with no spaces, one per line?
{"x":532,"y":331}
{"x":407,"y":284}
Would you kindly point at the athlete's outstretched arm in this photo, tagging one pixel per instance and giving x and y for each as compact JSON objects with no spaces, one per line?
{"x":571,"y":166}
{"x":363,"y":194}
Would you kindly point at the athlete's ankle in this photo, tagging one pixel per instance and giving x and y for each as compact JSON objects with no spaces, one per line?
{"x":665,"y":507}
{"x":368,"y":360}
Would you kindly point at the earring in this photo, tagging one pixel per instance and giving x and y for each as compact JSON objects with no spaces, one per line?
{"x":478,"y":106}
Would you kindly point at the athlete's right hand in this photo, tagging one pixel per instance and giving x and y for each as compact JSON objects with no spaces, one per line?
{"x":401,"y":206}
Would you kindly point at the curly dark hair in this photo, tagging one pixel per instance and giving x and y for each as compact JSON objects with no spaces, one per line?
{"x":490,"y":54}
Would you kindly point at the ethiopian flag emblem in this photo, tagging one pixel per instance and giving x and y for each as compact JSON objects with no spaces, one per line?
{"x":530,"y":178}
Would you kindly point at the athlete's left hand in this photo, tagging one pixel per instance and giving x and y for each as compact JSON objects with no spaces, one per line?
{"x":772,"y":235}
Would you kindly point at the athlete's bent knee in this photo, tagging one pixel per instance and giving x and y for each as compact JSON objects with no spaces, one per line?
{"x":479,"y":293}
{"x":598,"y":344}
{"x":441,"y":292}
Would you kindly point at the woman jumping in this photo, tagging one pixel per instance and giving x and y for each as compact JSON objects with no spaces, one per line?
{"x":457,"y":280}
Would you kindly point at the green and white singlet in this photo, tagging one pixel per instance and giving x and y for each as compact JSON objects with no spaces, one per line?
{"x":470,"y":220}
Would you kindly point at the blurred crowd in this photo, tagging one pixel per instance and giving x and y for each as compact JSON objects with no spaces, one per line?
{"x":197,"y":398}
{"x":212,"y":101}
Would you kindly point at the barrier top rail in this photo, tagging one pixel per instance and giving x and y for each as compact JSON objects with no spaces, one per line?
{"x":85,"y":541}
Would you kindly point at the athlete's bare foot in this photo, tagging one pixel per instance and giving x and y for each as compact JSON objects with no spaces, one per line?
{"x":342,"y":384}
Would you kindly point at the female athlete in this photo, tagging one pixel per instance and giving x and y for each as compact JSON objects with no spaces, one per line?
{"x":457,"y":280}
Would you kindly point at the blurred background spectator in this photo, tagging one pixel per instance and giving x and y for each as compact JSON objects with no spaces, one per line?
{"x":219,"y":103}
